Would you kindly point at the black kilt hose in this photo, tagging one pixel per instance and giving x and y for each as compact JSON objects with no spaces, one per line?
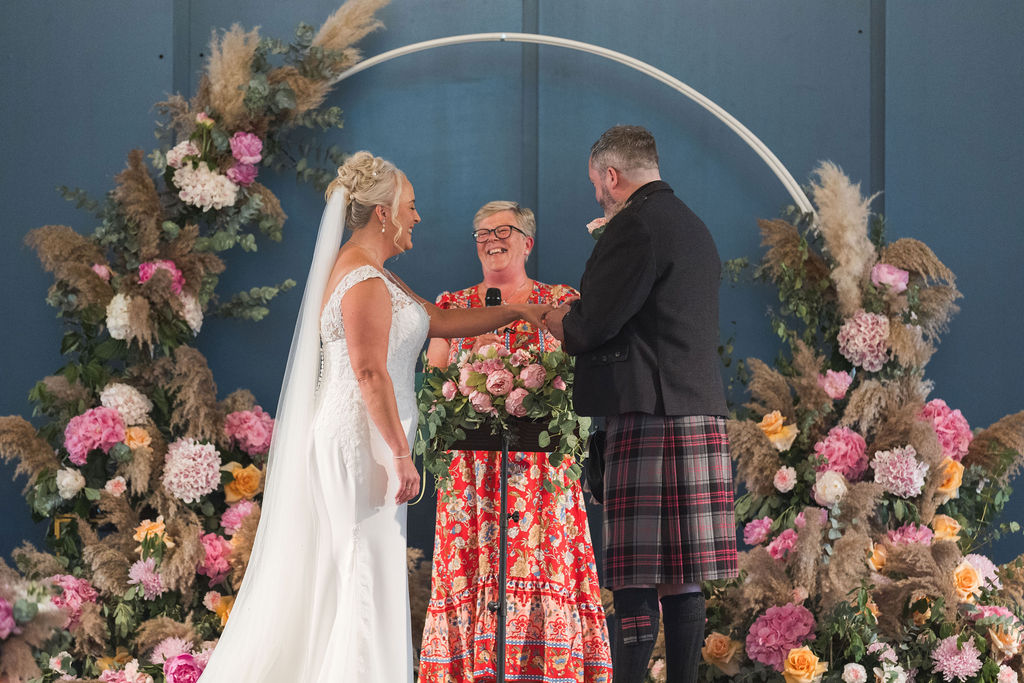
{"x":668,"y":500}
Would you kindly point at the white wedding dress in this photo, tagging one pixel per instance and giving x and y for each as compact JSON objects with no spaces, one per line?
{"x":325,"y":598}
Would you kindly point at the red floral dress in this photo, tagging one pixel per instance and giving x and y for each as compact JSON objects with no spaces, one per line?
{"x":556,"y":629}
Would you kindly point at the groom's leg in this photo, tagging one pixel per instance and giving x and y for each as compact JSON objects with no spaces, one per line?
{"x":683,"y":612}
{"x":636,"y":617}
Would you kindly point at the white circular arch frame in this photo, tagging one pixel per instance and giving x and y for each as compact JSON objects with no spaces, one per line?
{"x":657,"y":74}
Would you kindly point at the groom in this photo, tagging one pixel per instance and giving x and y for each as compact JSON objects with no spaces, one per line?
{"x":645,"y":337}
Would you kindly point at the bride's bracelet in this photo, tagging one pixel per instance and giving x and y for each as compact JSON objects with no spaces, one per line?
{"x":401,"y":457}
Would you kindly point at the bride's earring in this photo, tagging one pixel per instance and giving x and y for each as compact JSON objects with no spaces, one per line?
{"x":383,"y":223}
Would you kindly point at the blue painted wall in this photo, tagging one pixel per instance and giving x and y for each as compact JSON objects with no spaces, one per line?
{"x":921,"y":101}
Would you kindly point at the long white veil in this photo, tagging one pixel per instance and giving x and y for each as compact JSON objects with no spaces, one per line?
{"x":267,"y":634}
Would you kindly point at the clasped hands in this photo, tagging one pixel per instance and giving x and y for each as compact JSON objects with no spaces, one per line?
{"x":547,"y":316}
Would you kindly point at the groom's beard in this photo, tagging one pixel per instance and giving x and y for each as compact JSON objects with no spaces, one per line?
{"x":610,"y":206}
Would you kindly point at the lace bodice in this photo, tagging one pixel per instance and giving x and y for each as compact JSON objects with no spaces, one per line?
{"x":339,"y":405}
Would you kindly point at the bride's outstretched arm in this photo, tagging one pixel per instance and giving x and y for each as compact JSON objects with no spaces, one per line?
{"x":366,"y":311}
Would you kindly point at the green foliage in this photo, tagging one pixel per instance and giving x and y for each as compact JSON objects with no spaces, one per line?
{"x":252,"y":305}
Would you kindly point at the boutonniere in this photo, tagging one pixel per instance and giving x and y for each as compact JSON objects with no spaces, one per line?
{"x":596,"y":227}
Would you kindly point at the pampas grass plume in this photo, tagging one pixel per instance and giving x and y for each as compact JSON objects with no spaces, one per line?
{"x":196,"y":412}
{"x":137,"y":194}
{"x":757,"y":459}
{"x":769,"y":390}
{"x":19,"y":443}
{"x":228,"y":71}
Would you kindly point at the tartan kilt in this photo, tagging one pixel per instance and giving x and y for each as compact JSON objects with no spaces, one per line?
{"x":668,"y":507}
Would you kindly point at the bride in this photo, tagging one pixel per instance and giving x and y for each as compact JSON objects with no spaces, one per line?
{"x":325,"y":596}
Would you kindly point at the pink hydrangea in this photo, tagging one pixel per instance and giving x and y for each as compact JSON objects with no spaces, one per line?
{"x":801,"y":519}
{"x":203,"y":188}
{"x":889,"y":276}
{"x":843,"y":450}
{"x":864,"y":340}
{"x":246,"y":148}
{"x":233,"y":517}
{"x":500,"y":382}
{"x":782,"y":544}
{"x":102,"y":270}
{"x":481,"y":402}
{"x":950,"y":427}
{"x":899,"y":471}
{"x":987,"y":570}
{"x":169,"y":648}
{"x":7,"y":623}
{"x":144,"y":573}
{"x":98,"y":427}
{"x":558,"y":383}
{"x":214,"y":564}
{"x":756,"y":532}
{"x":533,"y":376}
{"x":955,"y":662}
{"x":148,"y":268}
{"x":74,"y":593}
{"x":514,"y":402}
{"x":176,"y":155}
{"x":449,"y":389}
{"x":835,"y":383}
{"x":251,"y":430}
{"x":191,"y":469}
{"x":182,"y":669}
{"x":785,"y":479}
{"x":776,"y":632}
{"x":242,"y":174}
{"x":910,"y":533}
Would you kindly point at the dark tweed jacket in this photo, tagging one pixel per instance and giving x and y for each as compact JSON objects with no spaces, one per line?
{"x":645,"y":330}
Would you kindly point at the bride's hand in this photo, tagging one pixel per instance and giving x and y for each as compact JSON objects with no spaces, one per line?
{"x":533,"y":313}
{"x":408,"y":480}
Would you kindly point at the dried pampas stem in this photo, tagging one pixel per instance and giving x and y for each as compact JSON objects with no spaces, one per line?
{"x":228,"y":72}
{"x":19,"y":442}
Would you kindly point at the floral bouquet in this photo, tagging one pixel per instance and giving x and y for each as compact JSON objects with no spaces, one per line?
{"x":500,"y":391}
{"x":867,"y":502}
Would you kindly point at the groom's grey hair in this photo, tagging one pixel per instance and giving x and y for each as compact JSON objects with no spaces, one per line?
{"x":626,"y":149}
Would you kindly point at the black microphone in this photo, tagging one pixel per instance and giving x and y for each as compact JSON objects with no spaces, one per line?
{"x":493,"y":297}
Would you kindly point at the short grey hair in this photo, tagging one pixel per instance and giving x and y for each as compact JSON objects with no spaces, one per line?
{"x":525,"y":219}
{"x":625,"y":148}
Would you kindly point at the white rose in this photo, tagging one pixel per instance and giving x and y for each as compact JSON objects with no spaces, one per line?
{"x":69,"y":483}
{"x":854,"y":673}
{"x":890,"y":673}
{"x":829,"y":488}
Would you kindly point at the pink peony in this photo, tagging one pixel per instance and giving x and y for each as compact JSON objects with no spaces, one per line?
{"x":102,"y":270}
{"x":835,"y":383}
{"x":533,"y":376}
{"x":98,"y":427}
{"x":520,"y":357}
{"x":558,"y":383}
{"x":886,"y":275}
{"x":233,"y":517}
{"x":950,"y":426}
{"x":863,"y":340}
{"x":215,"y":562}
{"x":449,"y":389}
{"x":176,"y":155}
{"x":776,"y":632}
{"x":191,"y":469}
{"x":910,"y":533}
{"x":169,"y":648}
{"x":74,"y":594}
{"x":116,"y":487}
{"x":899,"y":472}
{"x":182,"y":669}
{"x":481,"y":402}
{"x":144,"y":573}
{"x":956,"y":662}
{"x":148,"y":268}
{"x":246,"y":148}
{"x":801,"y":519}
{"x":7,"y":623}
{"x":500,"y":382}
{"x":782,"y":544}
{"x":210,"y":600}
{"x":854,"y":673}
{"x":987,"y":570}
{"x":464,"y":373}
{"x":785,"y":479}
{"x":756,"y":531}
{"x":843,"y":450}
{"x":242,"y":174}
{"x":514,"y":402}
{"x":251,"y":430}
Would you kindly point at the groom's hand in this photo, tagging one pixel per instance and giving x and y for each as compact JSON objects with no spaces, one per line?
{"x":553,"y":320}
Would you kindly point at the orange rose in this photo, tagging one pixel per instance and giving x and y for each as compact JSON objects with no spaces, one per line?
{"x":721,"y":651}
{"x":952,"y":477}
{"x":248,"y":481}
{"x":802,"y":666}
{"x":781,"y":435}
{"x":150,"y":528}
{"x":946,"y":528}
{"x":137,"y":437}
{"x":921,"y":617}
{"x":120,"y":659}
{"x":967,"y":581}
{"x":223,"y":608}
{"x":878,"y":556}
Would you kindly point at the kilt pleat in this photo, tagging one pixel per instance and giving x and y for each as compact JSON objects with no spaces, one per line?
{"x":668,"y":500}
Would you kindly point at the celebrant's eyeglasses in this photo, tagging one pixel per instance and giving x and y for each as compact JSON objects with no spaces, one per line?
{"x":501,"y":232}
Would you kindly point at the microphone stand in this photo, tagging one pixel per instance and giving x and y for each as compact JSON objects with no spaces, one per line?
{"x":499,"y":607}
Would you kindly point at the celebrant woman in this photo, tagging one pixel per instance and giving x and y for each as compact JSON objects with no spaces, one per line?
{"x":325,"y":596}
{"x":556,"y":626}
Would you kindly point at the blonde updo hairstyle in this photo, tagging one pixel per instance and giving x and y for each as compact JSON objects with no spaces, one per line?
{"x":370,"y":181}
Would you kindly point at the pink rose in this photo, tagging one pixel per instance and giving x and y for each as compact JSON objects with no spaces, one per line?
{"x":520,"y":357}
{"x":246,"y":148}
{"x":242,"y":174}
{"x":500,"y":382}
{"x":558,"y":383}
{"x":835,"y":383}
{"x":116,"y":486}
{"x":101,"y":270}
{"x":182,"y":669}
{"x":785,"y":479}
{"x":449,"y":389}
{"x":481,"y":402}
{"x":533,"y":376}
{"x":464,"y":372}
{"x":210,"y":600}
{"x":782,"y":544}
{"x":148,"y":268}
{"x":885,"y":275}
{"x":203,"y":119}
{"x":514,"y":403}
{"x":755,"y":532}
